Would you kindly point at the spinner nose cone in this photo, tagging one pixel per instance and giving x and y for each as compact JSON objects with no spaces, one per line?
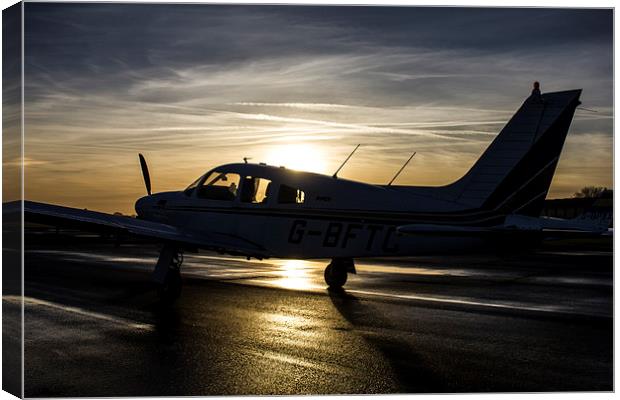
{"x":142,"y":206}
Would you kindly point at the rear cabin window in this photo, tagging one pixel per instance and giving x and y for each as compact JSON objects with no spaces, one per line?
{"x":221,"y":186}
{"x":255,"y":190}
{"x":290,"y":195}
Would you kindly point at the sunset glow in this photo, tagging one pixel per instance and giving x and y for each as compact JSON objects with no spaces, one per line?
{"x":196,"y":86}
{"x":299,"y":157}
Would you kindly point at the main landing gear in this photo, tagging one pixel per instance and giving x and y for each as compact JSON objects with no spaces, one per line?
{"x":167,"y":274}
{"x":337,"y":272}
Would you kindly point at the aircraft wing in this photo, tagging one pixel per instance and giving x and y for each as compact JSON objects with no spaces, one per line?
{"x":93,"y":221}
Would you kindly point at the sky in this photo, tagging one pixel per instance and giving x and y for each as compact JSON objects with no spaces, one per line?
{"x":195,"y":86}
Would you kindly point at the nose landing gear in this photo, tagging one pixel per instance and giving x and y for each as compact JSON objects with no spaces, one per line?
{"x":167,"y":274}
{"x":336,"y":272}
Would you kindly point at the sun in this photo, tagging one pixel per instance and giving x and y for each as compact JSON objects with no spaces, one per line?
{"x":301,"y":157}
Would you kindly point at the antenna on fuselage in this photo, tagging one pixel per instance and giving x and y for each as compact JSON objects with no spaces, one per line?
{"x":245,"y":159}
{"x":401,"y":168}
{"x":345,"y":161}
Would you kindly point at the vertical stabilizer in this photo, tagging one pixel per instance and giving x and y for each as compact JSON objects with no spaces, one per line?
{"x":514,"y":173}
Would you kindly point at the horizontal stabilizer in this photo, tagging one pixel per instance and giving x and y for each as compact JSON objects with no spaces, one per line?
{"x":547,"y":227}
{"x":443,"y":230}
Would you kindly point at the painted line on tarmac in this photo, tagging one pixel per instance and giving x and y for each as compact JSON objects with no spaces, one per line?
{"x":550,"y":309}
{"x":472,"y":303}
{"x":78,"y":311}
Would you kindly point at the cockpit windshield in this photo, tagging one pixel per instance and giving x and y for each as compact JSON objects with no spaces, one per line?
{"x":216,"y":185}
{"x":194,"y":184}
{"x":190,"y":189}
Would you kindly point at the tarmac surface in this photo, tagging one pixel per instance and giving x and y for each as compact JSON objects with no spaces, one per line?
{"x":479,"y":323}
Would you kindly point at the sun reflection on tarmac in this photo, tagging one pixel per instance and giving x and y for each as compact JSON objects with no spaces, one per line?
{"x":295,"y":275}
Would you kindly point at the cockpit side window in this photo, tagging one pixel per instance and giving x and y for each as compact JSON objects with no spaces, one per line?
{"x":255,"y":190}
{"x":290,"y":195}
{"x":221,"y":186}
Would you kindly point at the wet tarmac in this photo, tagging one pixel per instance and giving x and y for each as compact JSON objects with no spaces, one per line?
{"x":478,"y":323}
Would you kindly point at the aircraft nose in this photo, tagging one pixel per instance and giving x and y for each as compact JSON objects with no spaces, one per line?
{"x":142,"y":206}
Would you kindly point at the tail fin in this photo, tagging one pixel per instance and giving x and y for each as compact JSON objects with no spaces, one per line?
{"x":514,"y":173}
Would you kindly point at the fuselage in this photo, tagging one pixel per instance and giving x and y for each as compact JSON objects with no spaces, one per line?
{"x":306,"y":215}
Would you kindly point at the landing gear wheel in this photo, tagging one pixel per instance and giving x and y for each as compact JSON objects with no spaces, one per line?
{"x":170,"y":289}
{"x":335,"y":276}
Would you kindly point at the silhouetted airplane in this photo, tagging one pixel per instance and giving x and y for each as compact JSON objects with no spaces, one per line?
{"x":262,"y":211}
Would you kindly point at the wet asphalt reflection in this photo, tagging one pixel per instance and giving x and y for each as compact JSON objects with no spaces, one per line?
{"x":94,"y":326}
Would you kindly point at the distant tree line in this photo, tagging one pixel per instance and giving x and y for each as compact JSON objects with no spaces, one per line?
{"x":592,"y":192}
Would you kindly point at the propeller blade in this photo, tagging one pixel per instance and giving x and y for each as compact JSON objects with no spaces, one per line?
{"x":145,"y":174}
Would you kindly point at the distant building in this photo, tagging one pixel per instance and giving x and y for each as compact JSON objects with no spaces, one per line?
{"x":573,"y":207}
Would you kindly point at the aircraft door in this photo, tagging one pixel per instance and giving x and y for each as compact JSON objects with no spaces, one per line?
{"x":254,"y":199}
{"x":213,"y":201}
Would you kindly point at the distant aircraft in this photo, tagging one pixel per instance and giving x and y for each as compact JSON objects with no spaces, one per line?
{"x":262,"y":211}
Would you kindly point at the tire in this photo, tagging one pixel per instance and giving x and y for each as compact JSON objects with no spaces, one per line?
{"x":170,"y":290}
{"x":335,"y":277}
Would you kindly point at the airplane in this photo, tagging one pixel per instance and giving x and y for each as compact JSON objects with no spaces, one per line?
{"x":262,"y":211}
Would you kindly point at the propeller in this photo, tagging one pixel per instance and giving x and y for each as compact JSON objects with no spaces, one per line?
{"x":145,"y":174}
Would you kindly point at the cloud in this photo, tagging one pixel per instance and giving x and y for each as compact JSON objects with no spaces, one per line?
{"x":195,"y":85}
{"x":310,"y":106}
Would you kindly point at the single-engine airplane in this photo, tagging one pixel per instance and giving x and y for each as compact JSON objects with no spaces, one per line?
{"x":262,"y":211}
